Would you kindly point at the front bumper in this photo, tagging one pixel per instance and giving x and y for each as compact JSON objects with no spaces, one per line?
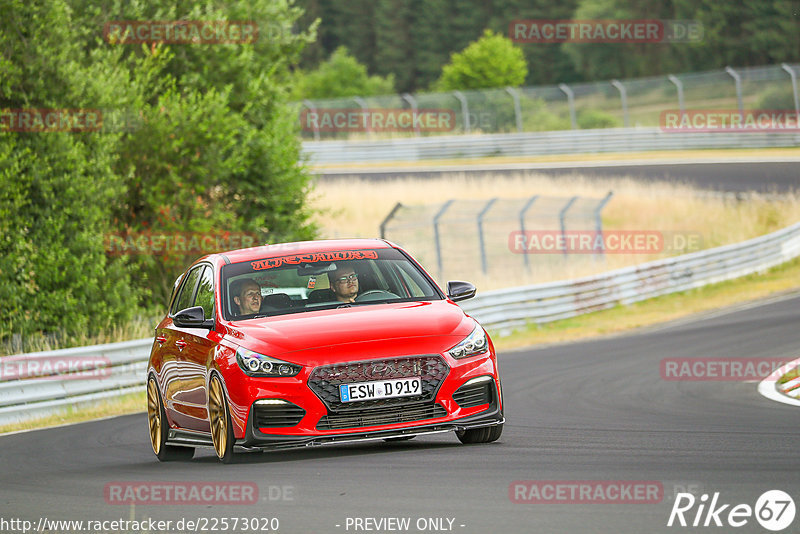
{"x":255,"y":439}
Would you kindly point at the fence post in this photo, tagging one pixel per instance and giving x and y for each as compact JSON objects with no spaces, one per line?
{"x":562,"y":215}
{"x":517,"y":108}
{"x":679,"y":85}
{"x":436,"y":239}
{"x":738,"y":80}
{"x":598,"y":221}
{"x":363,"y":105}
{"x":522,"y":226}
{"x":413,"y":103}
{"x":623,"y":95}
{"x":567,"y":90}
{"x":310,"y":105}
{"x":482,"y":243}
{"x":793,"y":76}
{"x":464,"y":109}
{"x":389,"y":218}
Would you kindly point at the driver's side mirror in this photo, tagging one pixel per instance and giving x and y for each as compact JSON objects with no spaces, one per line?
{"x":457,"y":290}
{"x":193,"y":317}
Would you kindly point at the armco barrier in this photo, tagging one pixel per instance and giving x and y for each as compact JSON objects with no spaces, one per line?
{"x":536,"y":144}
{"x":540,"y":303}
{"x":497,"y":310}
{"x":122,"y":366}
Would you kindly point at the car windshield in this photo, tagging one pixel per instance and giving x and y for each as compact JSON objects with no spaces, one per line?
{"x":307,"y":282}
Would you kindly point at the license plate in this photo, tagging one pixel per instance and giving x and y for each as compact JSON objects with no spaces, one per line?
{"x":380,"y":389}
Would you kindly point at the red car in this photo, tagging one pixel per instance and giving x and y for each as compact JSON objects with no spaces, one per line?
{"x":315,"y":343}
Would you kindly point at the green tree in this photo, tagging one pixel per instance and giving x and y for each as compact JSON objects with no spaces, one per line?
{"x":340,"y":76}
{"x":491,"y":61}
{"x":217,"y":148}
{"x":57,"y":187}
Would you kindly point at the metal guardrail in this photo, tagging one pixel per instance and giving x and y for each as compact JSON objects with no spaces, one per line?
{"x":505,"y":309}
{"x":119,"y":368}
{"x":536,"y":144}
{"x":124,"y":365}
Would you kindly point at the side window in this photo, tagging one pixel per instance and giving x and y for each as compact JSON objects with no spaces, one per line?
{"x":174,"y":294}
{"x":186,"y":295}
{"x":205,"y":293}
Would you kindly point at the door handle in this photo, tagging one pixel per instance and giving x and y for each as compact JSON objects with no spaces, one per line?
{"x":160,"y":339}
{"x":181,"y":344}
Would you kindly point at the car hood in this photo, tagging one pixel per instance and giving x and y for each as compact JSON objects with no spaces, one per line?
{"x":369,"y":324}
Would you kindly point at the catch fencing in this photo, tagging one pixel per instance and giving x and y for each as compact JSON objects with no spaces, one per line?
{"x":462,"y":237}
{"x":122,"y":366}
{"x":633,"y":103}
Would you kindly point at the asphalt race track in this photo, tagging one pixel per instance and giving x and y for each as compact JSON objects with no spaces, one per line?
{"x":595,"y":410}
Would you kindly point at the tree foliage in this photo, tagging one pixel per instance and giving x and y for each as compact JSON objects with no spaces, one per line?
{"x":340,"y":76}
{"x":413,"y":39}
{"x":491,"y":61}
{"x":213,"y":149}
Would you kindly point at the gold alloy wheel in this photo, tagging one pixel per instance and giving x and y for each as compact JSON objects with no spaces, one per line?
{"x":219,"y":419}
{"x":154,"y":415}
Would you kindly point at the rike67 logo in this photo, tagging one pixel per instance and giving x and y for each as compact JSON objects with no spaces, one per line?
{"x":774,"y":510}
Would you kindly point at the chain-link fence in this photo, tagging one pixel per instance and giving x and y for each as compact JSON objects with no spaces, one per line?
{"x":616,"y":103}
{"x":465,"y":239}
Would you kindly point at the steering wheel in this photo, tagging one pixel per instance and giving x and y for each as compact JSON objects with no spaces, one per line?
{"x":375,"y":294}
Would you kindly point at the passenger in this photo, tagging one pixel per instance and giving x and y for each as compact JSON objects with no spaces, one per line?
{"x":247,"y":296}
{"x":344,"y":283}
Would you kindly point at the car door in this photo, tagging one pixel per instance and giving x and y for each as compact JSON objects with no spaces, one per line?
{"x":196,"y":357}
{"x":173,"y":344}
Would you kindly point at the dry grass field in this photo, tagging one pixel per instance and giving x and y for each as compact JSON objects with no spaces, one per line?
{"x":352,"y":207}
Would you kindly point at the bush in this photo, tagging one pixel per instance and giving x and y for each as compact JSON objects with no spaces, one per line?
{"x":590,"y":119}
{"x":340,"y":76}
{"x":491,"y":61}
{"x":777,"y":97}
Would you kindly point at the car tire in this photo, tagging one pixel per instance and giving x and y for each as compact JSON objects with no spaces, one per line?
{"x":220,"y":419}
{"x":486,"y":434}
{"x":157,"y":422}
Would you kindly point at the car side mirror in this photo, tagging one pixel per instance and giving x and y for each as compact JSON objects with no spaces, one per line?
{"x":192,"y":318}
{"x":458,"y":290}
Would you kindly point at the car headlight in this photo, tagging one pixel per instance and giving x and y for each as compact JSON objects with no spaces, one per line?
{"x":473,"y":344}
{"x":255,"y":364}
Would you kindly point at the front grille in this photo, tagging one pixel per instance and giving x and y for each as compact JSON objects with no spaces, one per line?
{"x":471,"y":395}
{"x":324,"y":381}
{"x":277,"y":415}
{"x":380,"y":416}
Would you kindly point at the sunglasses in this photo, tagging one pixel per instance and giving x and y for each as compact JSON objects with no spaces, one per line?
{"x":351,"y":278}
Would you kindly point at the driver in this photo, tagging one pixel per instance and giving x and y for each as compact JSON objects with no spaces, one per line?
{"x":247,"y":295}
{"x":344,"y":283}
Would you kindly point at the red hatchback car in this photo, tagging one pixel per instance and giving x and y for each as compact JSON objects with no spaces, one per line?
{"x":315,"y":343}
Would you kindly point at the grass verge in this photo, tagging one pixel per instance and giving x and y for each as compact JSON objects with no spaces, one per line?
{"x":125,"y":404}
{"x":780,"y":279}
